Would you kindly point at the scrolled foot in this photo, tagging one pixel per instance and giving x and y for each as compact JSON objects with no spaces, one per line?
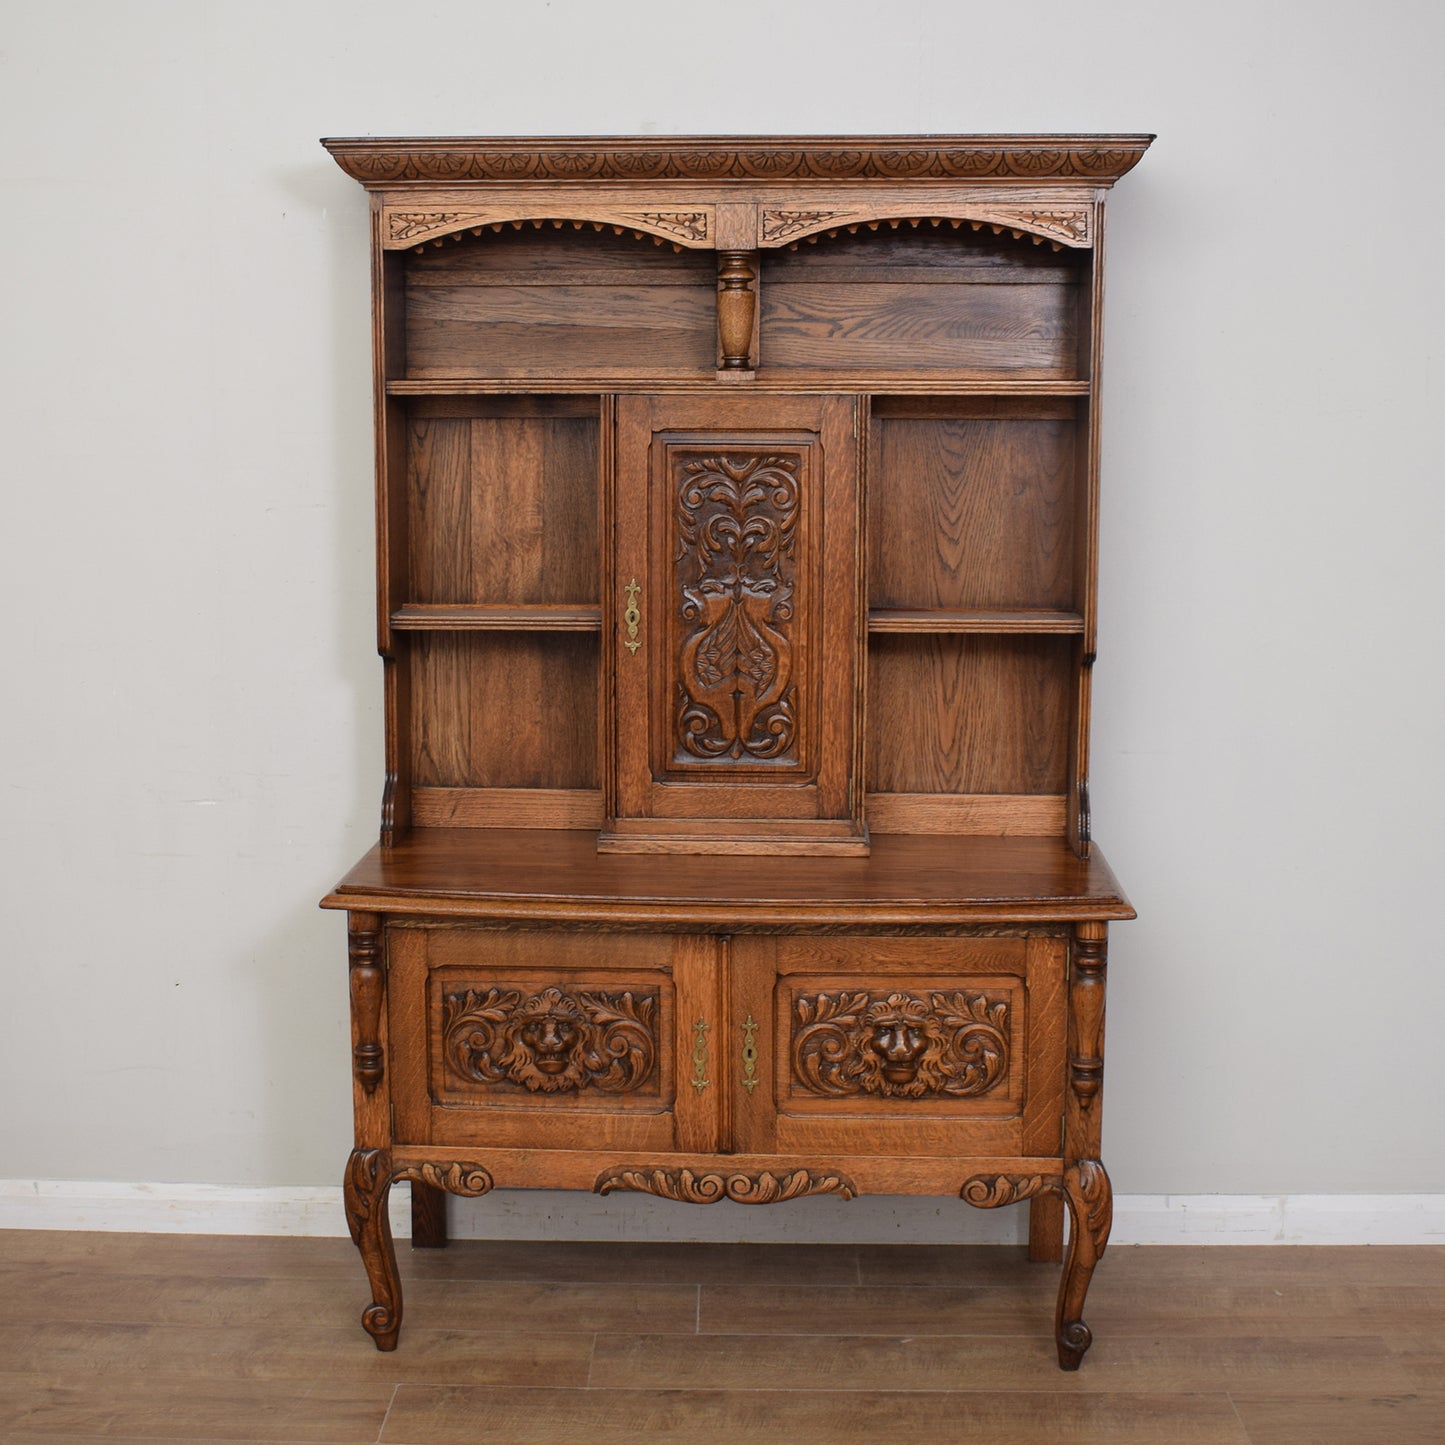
{"x":365,"y":1188}
{"x":1090,"y":1199}
{"x":1074,"y":1339}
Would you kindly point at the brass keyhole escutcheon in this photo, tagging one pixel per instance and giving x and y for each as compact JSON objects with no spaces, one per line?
{"x":699,"y":1056}
{"x":750,"y":1054}
{"x":632,"y":617}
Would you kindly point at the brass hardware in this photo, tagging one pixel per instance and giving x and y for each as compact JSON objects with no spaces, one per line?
{"x":632,"y":617}
{"x":750,"y":1054}
{"x":699,"y":1079}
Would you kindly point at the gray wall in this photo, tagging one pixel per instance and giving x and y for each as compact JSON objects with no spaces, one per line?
{"x":191,"y":740}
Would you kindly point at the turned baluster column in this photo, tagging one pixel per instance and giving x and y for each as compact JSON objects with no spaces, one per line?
{"x":1086,"y":1184}
{"x":737,"y":312}
{"x":367,"y":1182}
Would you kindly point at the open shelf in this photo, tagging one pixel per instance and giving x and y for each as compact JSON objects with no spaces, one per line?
{"x":986,"y":621}
{"x":476,"y":617}
{"x":900,"y":384}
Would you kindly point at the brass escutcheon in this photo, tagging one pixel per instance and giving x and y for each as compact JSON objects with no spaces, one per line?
{"x":750,"y":1054}
{"x":699,"y":1056}
{"x":631,"y":617}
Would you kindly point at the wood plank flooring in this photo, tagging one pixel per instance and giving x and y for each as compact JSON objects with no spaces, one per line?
{"x":135,"y":1339}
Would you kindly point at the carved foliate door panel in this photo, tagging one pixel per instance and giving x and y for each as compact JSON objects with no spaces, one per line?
{"x":515,"y":1037}
{"x":734,"y":628}
{"x":901,"y":1046}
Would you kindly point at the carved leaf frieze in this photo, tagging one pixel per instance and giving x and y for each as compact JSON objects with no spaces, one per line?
{"x":1071,"y":225}
{"x":403,"y":225}
{"x":900,"y":1045}
{"x":690,"y":225}
{"x":736,"y":573}
{"x":688,"y":1187}
{"x":779,"y":225}
{"x":552,"y":1041}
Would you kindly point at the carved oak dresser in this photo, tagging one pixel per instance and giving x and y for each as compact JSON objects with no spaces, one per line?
{"x":736,"y":516}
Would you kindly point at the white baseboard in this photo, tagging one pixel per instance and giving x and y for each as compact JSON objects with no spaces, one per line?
{"x":548,"y":1214}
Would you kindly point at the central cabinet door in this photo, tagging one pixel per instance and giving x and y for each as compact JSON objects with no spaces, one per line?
{"x":734,"y":626}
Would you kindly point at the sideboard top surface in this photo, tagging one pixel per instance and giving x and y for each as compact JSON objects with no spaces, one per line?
{"x":548,"y":873}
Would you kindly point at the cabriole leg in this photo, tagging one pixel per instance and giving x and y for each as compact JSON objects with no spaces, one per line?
{"x":367,"y":1186}
{"x":1091,"y":1213}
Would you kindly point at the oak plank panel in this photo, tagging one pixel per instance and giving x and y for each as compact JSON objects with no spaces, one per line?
{"x":319,"y":1411}
{"x":503,"y":509}
{"x":507,"y":807}
{"x":1303,"y":1309}
{"x":1343,"y":1419}
{"x":38,"y":1296}
{"x":124,"y":1254}
{"x":443,"y":1415}
{"x":878,"y":1310}
{"x":965,"y":714}
{"x":972,"y":514}
{"x":327,"y":1348}
{"x":863,"y":1361}
{"x":497,"y":710}
{"x":112,"y":1260}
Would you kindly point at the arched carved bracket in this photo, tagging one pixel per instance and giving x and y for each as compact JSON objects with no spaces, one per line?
{"x":690,"y":228}
{"x":1063,"y":226}
{"x":459,"y":1177}
{"x":742,"y":1188}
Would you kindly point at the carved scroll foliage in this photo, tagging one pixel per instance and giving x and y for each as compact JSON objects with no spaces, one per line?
{"x":780,"y":225}
{"x":457,"y":1178}
{"x":689,"y":1188}
{"x":736,"y":571}
{"x":690,"y":225}
{"x":403,"y":225}
{"x":900,"y":1045}
{"x":991,"y":1191}
{"x":551,"y":1041}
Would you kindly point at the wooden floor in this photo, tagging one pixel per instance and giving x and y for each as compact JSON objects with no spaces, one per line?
{"x":123,"y":1337}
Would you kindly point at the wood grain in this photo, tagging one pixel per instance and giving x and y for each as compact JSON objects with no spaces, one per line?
{"x":614,"y":306}
{"x":683,"y":1417}
{"x":970,"y":514}
{"x":503,"y":510}
{"x":501,"y":873}
{"x":133,"y":1338}
{"x":964,"y":714}
{"x":497,"y":710}
{"x":919,"y":300}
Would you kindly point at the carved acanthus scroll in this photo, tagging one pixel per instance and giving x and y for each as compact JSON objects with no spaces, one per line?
{"x":551,"y":1041}
{"x":742,"y":1188}
{"x":736,"y":573}
{"x":459,"y":1177}
{"x":900,"y":1045}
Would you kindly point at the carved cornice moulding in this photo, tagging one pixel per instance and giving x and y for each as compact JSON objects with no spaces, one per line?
{"x":389,"y":161}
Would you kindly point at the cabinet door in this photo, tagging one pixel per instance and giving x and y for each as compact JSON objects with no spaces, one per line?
{"x":735,"y":625}
{"x":542,"y":1038}
{"x":901,"y":1046}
